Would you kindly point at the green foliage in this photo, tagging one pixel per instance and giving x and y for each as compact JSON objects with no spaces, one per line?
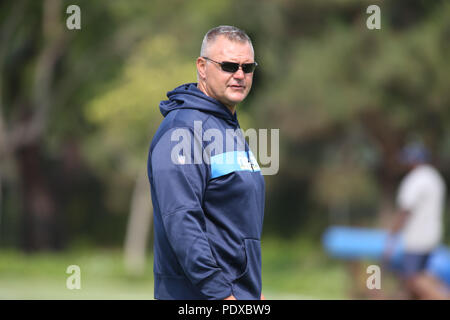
{"x":127,"y":113}
{"x":345,"y":98}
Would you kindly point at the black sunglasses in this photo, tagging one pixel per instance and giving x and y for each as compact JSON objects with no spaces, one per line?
{"x":233,"y":66}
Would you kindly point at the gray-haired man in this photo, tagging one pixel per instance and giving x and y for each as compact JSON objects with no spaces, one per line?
{"x":208,"y":215}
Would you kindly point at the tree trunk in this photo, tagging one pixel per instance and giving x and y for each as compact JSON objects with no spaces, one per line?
{"x":1,"y":203}
{"x":22,"y":140}
{"x":139,"y":225}
{"x":40,"y":227}
{"x":388,"y":141}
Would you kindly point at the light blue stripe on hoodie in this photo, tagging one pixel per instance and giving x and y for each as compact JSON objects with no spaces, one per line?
{"x":225,"y":163}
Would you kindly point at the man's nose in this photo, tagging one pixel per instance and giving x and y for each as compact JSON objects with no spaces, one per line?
{"x":239,"y":74}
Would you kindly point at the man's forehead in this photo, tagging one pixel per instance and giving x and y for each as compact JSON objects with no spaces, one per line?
{"x":231,"y":49}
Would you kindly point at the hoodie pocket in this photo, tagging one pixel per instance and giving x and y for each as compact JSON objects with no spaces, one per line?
{"x":248,"y":285}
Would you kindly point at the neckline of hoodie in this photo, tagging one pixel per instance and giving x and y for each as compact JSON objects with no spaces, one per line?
{"x":199,"y":93}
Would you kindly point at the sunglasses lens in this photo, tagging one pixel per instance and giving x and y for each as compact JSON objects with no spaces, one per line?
{"x":248,"y":67}
{"x":230,"y":67}
{"x":233,"y":67}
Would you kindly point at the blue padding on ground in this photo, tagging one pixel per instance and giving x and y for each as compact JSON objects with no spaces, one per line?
{"x":363,"y":243}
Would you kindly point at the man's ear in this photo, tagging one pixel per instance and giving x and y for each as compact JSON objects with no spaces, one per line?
{"x":201,"y":68}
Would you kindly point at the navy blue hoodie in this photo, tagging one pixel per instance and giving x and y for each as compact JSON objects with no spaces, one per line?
{"x":208,"y":214}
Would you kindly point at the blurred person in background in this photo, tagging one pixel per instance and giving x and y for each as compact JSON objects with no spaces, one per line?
{"x":419,"y":222}
{"x":208,"y":216}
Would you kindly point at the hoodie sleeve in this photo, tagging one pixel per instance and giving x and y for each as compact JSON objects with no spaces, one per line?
{"x":179,"y":185}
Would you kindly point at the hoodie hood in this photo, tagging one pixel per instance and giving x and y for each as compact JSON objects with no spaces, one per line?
{"x":188,"y":96}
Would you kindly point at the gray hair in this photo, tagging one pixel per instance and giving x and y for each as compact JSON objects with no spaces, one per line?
{"x":230,"y":32}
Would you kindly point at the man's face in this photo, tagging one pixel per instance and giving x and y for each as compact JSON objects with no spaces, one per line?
{"x":228,"y":88}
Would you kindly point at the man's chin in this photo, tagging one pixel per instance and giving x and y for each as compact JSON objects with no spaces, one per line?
{"x":236,"y":98}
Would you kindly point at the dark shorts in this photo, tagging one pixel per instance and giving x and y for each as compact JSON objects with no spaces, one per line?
{"x":414,"y":263}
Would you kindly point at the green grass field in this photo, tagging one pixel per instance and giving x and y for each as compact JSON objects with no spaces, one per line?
{"x":291,"y":270}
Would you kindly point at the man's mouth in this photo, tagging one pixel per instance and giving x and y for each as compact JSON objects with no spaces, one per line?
{"x":238,"y":87}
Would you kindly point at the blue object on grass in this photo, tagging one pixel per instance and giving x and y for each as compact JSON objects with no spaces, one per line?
{"x":439,"y":264}
{"x":363,"y":243}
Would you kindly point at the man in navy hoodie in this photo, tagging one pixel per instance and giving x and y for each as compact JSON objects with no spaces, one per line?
{"x":206,"y":186}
